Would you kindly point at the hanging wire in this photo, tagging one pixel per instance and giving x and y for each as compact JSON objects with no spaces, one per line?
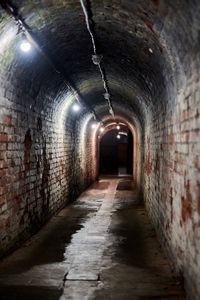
{"x":96,"y":58}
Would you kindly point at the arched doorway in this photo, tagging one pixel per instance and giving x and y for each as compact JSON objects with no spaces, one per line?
{"x":116,"y":152}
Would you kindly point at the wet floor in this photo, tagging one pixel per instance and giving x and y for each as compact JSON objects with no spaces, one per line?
{"x":102,"y":246}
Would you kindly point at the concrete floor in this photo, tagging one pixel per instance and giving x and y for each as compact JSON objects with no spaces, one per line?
{"x":100,"y":247}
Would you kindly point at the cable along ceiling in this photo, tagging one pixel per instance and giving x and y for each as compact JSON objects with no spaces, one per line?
{"x":97,"y":58}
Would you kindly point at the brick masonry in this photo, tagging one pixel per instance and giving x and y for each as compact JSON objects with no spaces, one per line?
{"x":39,"y":163}
{"x":45,"y":149}
{"x":172,"y":184}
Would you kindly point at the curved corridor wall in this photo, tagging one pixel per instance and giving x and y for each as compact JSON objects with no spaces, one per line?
{"x":151,"y":57}
{"x":40,"y":138}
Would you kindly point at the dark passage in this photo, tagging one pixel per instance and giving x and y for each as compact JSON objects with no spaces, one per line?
{"x":116,"y":152}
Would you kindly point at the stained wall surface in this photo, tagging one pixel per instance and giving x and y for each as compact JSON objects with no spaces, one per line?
{"x":49,"y":153}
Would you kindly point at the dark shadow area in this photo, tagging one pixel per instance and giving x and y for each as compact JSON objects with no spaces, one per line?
{"x":127,"y":227}
{"x":114,"y":176}
{"x":29,"y":292}
{"x":126,"y":185}
{"x":116,"y":152}
{"x":139,"y":268}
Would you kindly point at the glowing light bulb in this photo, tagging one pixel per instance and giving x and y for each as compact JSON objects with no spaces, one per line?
{"x":25,"y":46}
{"x":94,"y":125}
{"x":118,"y":136}
{"x":118,"y":127}
{"x":76,"y":107}
{"x":150,"y":50}
{"x":101,"y":129}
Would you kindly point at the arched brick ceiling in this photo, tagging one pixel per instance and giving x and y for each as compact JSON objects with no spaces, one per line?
{"x":125,"y":31}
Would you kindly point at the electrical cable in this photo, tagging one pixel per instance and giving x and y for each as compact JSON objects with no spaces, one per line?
{"x":23,"y":28}
{"x":96,"y":58}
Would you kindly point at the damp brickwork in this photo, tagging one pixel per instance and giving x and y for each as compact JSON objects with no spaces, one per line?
{"x":48,"y":154}
{"x":83,"y":170}
{"x":172,"y":187}
{"x":38,"y":164}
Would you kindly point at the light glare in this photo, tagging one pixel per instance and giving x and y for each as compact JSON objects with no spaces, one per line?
{"x":101,"y":129}
{"x":76,"y":107}
{"x":118,"y":136}
{"x":25,"y":46}
{"x":94,"y":125}
{"x":118,"y":127}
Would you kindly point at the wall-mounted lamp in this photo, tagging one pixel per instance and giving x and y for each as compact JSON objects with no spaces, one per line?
{"x":118,"y":127}
{"x":118,"y":136}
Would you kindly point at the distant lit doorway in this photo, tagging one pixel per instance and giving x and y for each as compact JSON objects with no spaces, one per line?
{"x":116,"y":153}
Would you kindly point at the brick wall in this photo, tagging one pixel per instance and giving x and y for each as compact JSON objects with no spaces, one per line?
{"x":40,"y":141}
{"x":45,"y":149}
{"x":172,"y":182}
{"x":83,"y":168}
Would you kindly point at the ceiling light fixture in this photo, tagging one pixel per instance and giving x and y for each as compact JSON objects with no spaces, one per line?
{"x":28,"y":42}
{"x":94,"y":125}
{"x":25,"y":46}
{"x":76,"y":107}
{"x":123,"y":133}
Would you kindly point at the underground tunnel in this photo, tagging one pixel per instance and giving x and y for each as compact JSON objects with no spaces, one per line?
{"x":116,"y":150}
{"x":99,"y":131}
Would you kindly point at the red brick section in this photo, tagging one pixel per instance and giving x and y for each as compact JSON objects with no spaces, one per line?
{"x":40,"y":168}
{"x":45,"y":156}
{"x":172,"y":185}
